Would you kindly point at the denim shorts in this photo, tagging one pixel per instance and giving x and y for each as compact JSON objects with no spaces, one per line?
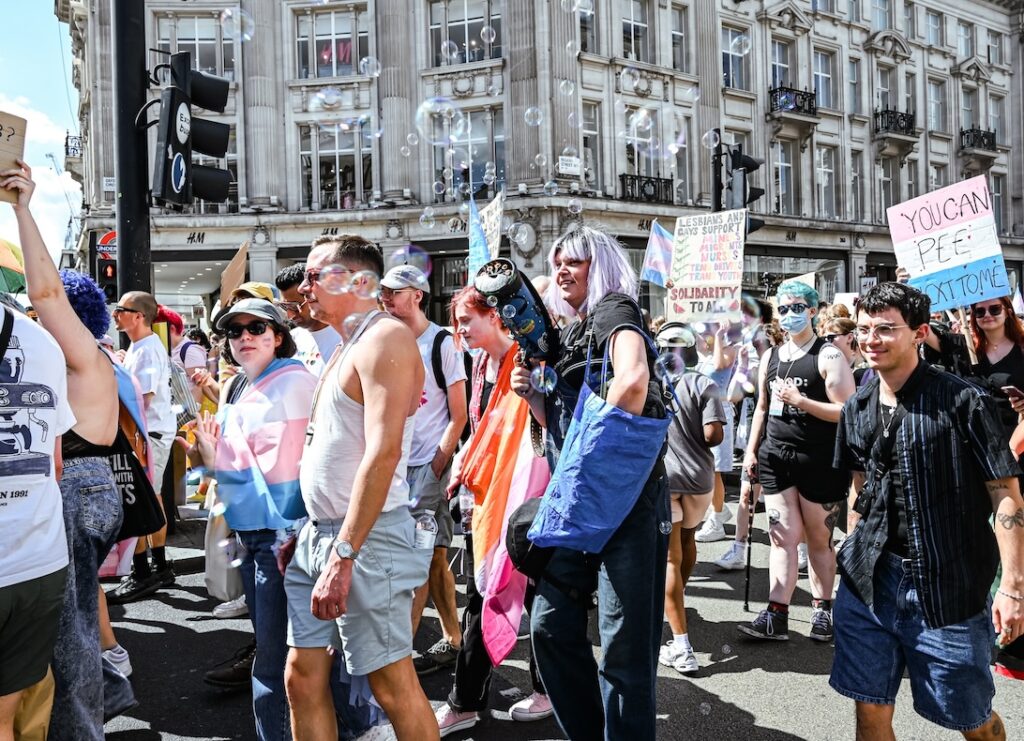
{"x":948,"y":667}
{"x":376,"y":629}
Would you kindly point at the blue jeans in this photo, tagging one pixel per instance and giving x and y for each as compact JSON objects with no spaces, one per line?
{"x":92,"y":519}
{"x":615,"y":700}
{"x":948,"y":667}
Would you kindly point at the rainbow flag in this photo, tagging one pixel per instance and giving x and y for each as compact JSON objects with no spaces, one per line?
{"x":658,"y":257}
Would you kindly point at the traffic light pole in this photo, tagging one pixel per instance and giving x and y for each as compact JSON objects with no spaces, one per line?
{"x":716,"y":173}
{"x":131,"y":153}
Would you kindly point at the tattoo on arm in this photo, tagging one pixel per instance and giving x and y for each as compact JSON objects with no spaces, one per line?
{"x":997,"y":488}
{"x":1011,"y":521}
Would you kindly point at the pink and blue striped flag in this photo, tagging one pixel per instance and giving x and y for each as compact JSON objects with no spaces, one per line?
{"x":658,"y":258}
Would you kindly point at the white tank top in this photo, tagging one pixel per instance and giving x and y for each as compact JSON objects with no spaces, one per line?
{"x":336,"y":444}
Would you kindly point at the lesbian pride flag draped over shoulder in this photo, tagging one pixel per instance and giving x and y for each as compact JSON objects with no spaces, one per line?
{"x":502,"y":472}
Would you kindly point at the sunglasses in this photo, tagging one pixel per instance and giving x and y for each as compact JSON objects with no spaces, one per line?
{"x":293,"y":306}
{"x":833,"y":337}
{"x":334,"y":272}
{"x":795,"y":308}
{"x":234,"y":331}
{"x":980,"y":311}
{"x":125,"y":310}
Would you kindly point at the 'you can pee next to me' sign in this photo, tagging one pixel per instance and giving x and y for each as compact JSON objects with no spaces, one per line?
{"x":947,"y":241}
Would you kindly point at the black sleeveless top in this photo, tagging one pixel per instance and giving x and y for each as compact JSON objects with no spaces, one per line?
{"x":73,"y":445}
{"x":794,"y":426}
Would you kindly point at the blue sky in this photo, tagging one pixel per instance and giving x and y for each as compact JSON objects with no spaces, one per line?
{"x":35,"y":83}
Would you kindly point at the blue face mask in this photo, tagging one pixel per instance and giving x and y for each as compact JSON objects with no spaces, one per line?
{"x":795,"y":323}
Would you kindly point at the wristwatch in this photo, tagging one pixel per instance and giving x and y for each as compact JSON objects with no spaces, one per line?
{"x":344,"y":549}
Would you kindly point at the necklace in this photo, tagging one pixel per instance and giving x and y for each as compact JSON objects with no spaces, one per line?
{"x":886,"y":426}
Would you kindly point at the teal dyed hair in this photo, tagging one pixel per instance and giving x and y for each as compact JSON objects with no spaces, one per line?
{"x":802,"y":291}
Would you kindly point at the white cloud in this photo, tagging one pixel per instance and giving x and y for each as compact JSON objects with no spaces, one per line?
{"x":50,"y":200}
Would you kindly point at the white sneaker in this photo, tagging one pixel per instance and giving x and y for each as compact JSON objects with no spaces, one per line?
{"x":119,"y":658}
{"x":710,"y":531}
{"x":724,"y":516}
{"x":734,"y":558}
{"x":680,"y":659}
{"x":450,"y":720}
{"x":801,"y":557}
{"x":234,"y":608}
{"x":535,"y":707}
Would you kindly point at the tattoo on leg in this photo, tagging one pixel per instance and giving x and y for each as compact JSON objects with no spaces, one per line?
{"x":774,"y":516}
{"x":1011,"y":521}
{"x":831,"y":517}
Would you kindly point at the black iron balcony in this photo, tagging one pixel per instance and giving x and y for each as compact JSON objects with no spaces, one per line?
{"x":978,"y":139}
{"x":889,"y":121}
{"x":72,"y":146}
{"x":791,"y":100}
{"x":644,"y":188}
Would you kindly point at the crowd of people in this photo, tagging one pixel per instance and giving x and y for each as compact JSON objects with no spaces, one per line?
{"x":334,"y":426}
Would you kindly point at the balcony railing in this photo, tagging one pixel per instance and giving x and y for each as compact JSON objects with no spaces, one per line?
{"x":72,"y":146}
{"x":644,"y":188}
{"x":978,"y":139}
{"x":791,"y":100}
{"x":895,"y":122}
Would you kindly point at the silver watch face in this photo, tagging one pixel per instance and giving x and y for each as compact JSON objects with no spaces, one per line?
{"x":344,"y":549}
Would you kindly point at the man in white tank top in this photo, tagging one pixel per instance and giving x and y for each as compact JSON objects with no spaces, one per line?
{"x":356,"y":564}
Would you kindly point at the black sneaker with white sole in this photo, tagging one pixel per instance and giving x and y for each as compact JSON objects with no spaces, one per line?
{"x":439,"y":656}
{"x":767,"y":626}
{"x":821,"y":625}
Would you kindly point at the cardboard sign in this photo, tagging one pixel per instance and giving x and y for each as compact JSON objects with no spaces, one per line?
{"x":234,"y":274}
{"x":12,"y":148}
{"x":707,"y":267}
{"x":947,"y":241}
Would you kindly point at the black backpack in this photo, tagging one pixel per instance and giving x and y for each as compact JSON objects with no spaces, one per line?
{"x":435,"y":363}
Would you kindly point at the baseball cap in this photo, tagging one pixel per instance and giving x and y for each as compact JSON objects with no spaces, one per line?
{"x":255,"y":307}
{"x":256,"y":289}
{"x":406,"y":276}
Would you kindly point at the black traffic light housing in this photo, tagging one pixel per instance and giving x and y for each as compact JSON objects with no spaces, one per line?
{"x":741,"y":193}
{"x":106,"y":277}
{"x":176,"y":181}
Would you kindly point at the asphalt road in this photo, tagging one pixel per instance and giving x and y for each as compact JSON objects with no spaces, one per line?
{"x":745,"y":691}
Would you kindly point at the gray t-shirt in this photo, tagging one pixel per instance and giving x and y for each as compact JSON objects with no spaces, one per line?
{"x":689,"y":461}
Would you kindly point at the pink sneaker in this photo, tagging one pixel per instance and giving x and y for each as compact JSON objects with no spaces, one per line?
{"x":534,"y":707}
{"x":452,"y":721}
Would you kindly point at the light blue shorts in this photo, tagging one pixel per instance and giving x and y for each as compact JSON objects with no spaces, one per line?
{"x":376,"y":629}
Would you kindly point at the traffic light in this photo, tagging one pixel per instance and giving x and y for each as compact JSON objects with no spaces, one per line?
{"x":741,"y":194}
{"x":176,"y":181}
{"x":106,"y":276}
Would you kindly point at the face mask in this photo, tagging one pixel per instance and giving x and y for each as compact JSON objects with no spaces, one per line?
{"x":794,"y":323}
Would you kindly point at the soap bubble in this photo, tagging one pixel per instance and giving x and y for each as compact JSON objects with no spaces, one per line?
{"x":641,"y":122}
{"x":726,"y":649}
{"x":464,"y":210}
{"x":533,"y":116}
{"x":350,"y":325}
{"x":567,"y":5}
{"x":493,"y":90}
{"x":427,"y":222}
{"x":693,"y":94}
{"x":551,"y":188}
{"x":668,"y":367}
{"x":447,"y":173}
{"x":439,"y":187}
{"x":570,"y":151}
{"x":574,"y":206}
{"x":628,"y":79}
{"x":365,"y":284}
{"x":711,"y":139}
{"x":410,"y":254}
{"x":455,"y":224}
{"x":584,"y":6}
{"x":430,"y":118}
{"x":665,"y":527}
{"x":404,"y":150}
{"x":619,"y":105}
{"x":232,"y":551}
{"x":741,"y":45}
{"x":489,"y":177}
{"x":412,"y":138}
{"x":237,"y":24}
{"x":335,"y":279}
{"x":567,"y":87}
{"x":464,"y":188}
{"x":508,"y":311}
{"x":460,"y":158}
{"x":489,"y":165}
{"x":540,"y":160}
{"x":705,"y":708}
{"x":450,"y":51}
{"x":328,"y":98}
{"x":488,"y":34}
{"x":517,"y":233}
{"x":428,"y":210}
{"x":543,"y":379}
{"x":370,"y":66}
{"x":572,"y":48}
{"x":573,"y":120}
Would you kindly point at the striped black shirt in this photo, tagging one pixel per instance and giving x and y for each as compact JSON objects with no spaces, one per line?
{"x":949,"y":444}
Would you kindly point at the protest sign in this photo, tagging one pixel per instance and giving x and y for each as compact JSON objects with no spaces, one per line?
{"x":490,"y":221}
{"x":12,"y":148}
{"x":707,"y":267}
{"x":849,"y":300}
{"x":947,"y":241}
{"x":234,"y":274}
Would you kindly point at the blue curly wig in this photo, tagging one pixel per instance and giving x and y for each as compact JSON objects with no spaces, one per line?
{"x":87,"y":300}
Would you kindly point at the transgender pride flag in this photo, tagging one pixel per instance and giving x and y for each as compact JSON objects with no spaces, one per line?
{"x":658,"y":258}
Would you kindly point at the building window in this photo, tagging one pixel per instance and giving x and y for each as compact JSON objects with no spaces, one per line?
{"x":823,"y":6}
{"x":337,"y":172}
{"x":679,"y":50}
{"x":461,"y":164}
{"x":910,"y":93}
{"x":885,"y":88}
{"x":890,"y":184}
{"x":995,"y":116}
{"x":936,"y":176}
{"x":640,"y":135}
{"x":881,"y":14}
{"x":965,"y":39}
{"x":212,"y":50}
{"x":995,"y":47}
{"x":912,"y":179}
{"x":825,"y":172}
{"x":783,"y":155}
{"x":735,"y":52}
{"x":635,"y":36}
{"x":682,"y":159}
{"x":823,"y":79}
{"x":909,"y":27}
{"x":853,"y":85}
{"x":588,"y":32}
{"x":997,"y":188}
{"x":968,"y":105}
{"x":455,"y":31}
{"x":591,"y":128}
{"x":856,"y":11}
{"x":336,"y":40}
{"x":780,"y":63}
{"x":856,"y":185}
{"x":936,"y":105}
{"x":934,"y":22}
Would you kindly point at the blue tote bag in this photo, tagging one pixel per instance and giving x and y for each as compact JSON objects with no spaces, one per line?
{"x":606,"y":459}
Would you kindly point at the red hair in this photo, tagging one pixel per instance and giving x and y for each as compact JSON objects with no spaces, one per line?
{"x":471,"y":298}
{"x":1012,"y":326}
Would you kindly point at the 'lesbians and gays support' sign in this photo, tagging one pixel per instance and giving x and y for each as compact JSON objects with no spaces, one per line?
{"x":707,"y":267}
{"x":947,"y":241}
